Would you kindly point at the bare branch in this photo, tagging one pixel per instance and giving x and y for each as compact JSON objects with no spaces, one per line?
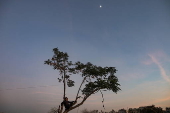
{"x":80,"y":88}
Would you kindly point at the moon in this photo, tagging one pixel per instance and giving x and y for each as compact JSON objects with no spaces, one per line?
{"x":100,"y":6}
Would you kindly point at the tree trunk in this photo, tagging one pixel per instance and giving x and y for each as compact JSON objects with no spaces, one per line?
{"x":64,"y":80}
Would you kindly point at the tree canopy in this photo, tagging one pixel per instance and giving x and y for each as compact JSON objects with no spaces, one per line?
{"x":95,"y":78}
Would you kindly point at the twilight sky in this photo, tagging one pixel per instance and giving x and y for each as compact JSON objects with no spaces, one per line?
{"x":132,"y":36}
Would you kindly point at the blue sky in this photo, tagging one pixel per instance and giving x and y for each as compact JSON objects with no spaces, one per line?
{"x":132,"y":36}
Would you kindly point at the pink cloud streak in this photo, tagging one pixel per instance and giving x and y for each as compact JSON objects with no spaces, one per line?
{"x":162,"y":70}
{"x":162,"y":100}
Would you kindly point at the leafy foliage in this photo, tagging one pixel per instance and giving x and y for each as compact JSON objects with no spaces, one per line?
{"x":60,"y":62}
{"x":99,"y":78}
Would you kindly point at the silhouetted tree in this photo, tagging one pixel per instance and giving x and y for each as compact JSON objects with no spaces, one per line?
{"x":95,"y":78}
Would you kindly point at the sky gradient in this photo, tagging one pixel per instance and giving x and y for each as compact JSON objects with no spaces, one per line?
{"x":132,"y":36}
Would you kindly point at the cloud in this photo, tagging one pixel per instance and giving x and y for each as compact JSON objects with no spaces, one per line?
{"x":162,"y":70}
{"x":162,"y":100}
{"x":158,"y":54}
{"x":147,"y":62}
{"x":45,"y":93}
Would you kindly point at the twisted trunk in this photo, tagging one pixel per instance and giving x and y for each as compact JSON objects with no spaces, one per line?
{"x":84,"y":99}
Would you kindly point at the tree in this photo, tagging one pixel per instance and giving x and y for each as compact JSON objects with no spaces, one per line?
{"x":95,"y":78}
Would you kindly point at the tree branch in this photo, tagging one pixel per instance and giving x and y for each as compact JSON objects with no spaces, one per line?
{"x":80,"y":88}
{"x":64,"y":81}
{"x":81,"y":101}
